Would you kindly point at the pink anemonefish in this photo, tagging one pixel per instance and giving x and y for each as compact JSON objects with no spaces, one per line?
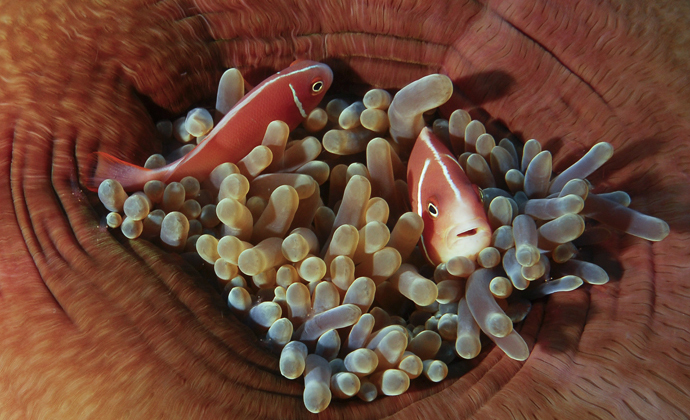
{"x":288,"y":96}
{"x":455,"y":223}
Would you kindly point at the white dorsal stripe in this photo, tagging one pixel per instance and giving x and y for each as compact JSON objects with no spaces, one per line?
{"x":247,"y":99}
{"x":444,"y":168}
{"x":297,"y":102}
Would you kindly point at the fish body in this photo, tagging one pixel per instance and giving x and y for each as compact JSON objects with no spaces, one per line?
{"x":455,"y":223}
{"x":288,"y":96}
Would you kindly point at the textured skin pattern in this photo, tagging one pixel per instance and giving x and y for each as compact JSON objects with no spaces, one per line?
{"x":94,"y":328}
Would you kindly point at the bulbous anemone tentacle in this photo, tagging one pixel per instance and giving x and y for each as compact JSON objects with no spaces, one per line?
{"x":96,"y":327}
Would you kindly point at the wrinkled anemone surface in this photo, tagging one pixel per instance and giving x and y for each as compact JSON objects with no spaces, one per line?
{"x":94,"y":327}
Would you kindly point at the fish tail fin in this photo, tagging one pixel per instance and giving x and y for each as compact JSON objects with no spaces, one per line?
{"x":103,"y":166}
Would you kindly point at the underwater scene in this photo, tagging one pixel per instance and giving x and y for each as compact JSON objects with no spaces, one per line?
{"x":404,"y":210}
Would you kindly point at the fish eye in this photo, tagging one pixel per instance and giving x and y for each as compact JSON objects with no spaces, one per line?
{"x":432,"y":209}
{"x":317,"y":86}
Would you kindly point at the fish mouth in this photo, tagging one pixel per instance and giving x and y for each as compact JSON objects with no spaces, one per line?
{"x":468,"y":238}
{"x":467,"y":233}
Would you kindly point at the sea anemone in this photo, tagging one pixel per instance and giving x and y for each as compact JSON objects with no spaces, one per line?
{"x":311,"y":237}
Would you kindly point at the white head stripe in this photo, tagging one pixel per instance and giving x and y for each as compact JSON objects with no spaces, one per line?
{"x":426,"y":252}
{"x":454,"y":161}
{"x":297,"y":102}
{"x":422,"y":176}
{"x":420,"y":206}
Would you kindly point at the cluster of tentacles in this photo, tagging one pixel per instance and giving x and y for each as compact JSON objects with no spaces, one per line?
{"x":310,"y":238}
{"x":95,"y":325}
